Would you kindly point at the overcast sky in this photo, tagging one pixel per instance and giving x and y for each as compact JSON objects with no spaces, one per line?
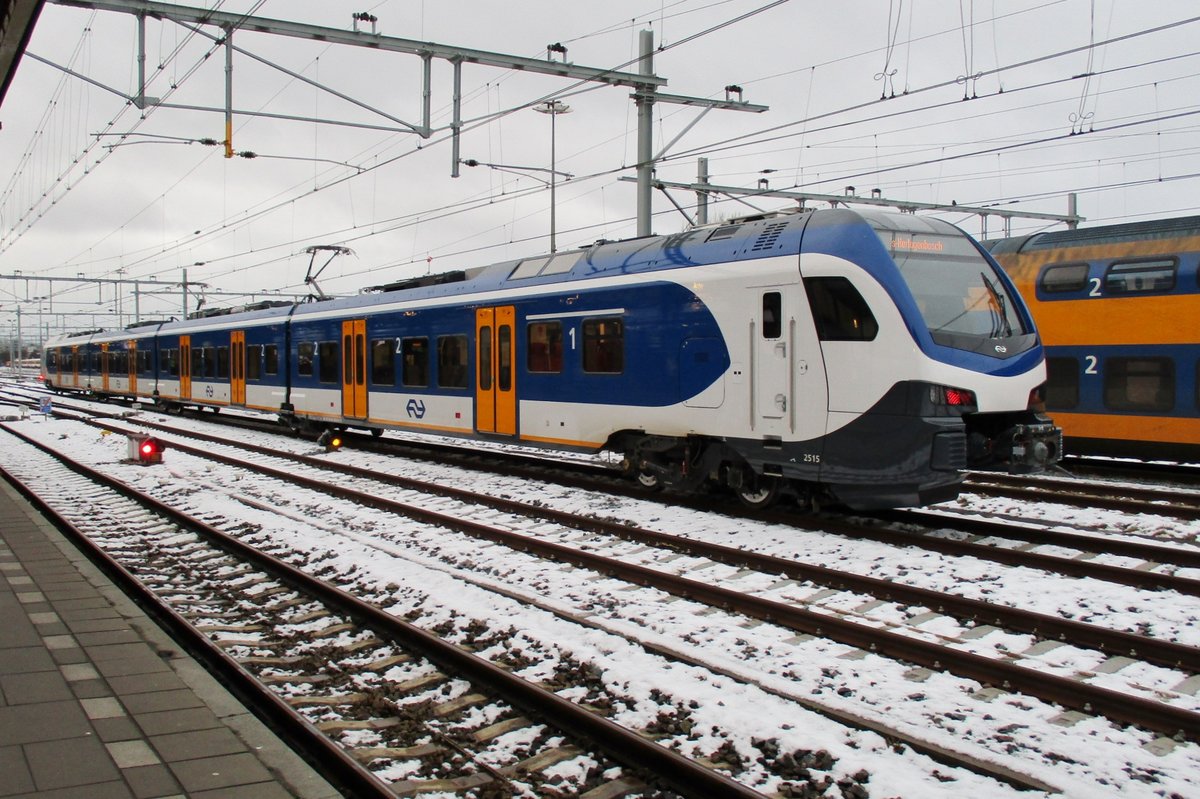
{"x":933,"y":101}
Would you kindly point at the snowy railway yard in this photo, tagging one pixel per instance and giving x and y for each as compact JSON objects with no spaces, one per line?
{"x":782,"y":712}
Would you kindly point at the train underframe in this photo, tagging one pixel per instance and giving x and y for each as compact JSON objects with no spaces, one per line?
{"x":919,"y":461}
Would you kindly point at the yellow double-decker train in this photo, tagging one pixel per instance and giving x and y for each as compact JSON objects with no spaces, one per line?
{"x":1118,"y":309}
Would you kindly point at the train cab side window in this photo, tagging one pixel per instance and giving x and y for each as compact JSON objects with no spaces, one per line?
{"x":1062,"y":383}
{"x":603,"y":346}
{"x":222,"y":362}
{"x":327,"y":361}
{"x":305,"y":355}
{"x":544,"y":347}
{"x":52,"y":361}
{"x":1139,"y":384}
{"x":271,"y":359}
{"x":1138,"y":276}
{"x":772,"y":314}
{"x":383,"y":362}
{"x":1060,"y":278}
{"x":414,"y":353}
{"x":254,"y":361}
{"x":452,"y":361}
{"x":839,"y":311}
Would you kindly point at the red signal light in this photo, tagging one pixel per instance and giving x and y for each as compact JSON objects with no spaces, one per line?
{"x":145,"y":449}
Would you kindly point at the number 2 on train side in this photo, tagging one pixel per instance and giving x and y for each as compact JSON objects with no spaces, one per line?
{"x":1091,"y":361}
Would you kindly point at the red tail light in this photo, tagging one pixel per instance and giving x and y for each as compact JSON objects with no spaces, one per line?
{"x":959,"y":396}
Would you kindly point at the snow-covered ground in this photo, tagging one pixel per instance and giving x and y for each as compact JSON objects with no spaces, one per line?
{"x":746,"y":687}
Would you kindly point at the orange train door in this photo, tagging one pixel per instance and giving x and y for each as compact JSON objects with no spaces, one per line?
{"x":185,"y":367}
{"x":354,"y":369}
{"x":496,"y":387}
{"x":103,"y":368}
{"x":237,"y":367}
{"x":133,"y":367}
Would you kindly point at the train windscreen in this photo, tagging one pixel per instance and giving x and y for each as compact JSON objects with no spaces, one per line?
{"x":956,"y":289}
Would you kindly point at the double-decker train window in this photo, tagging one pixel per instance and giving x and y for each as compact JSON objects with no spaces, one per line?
{"x":1063,"y":277}
{"x":452,"y":361}
{"x":1139,"y":384}
{"x":271,"y":359}
{"x":1138,"y":276}
{"x":839,"y":311}
{"x":327,"y":361}
{"x":603,"y":346}
{"x":1062,"y":383}
{"x":305,"y":355}
{"x":254,"y":361}
{"x":544,"y":347}
{"x":383,"y":362}
{"x":414,"y":354}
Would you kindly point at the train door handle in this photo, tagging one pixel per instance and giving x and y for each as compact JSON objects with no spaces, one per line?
{"x":781,"y":401}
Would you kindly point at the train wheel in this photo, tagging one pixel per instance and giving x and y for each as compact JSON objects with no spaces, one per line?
{"x":761,"y":494}
{"x":376,"y":432}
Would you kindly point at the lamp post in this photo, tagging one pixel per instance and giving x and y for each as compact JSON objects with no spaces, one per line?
{"x":553,"y":108}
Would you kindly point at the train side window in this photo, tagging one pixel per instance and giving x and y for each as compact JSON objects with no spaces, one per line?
{"x":772,"y":314}
{"x":383,"y":362}
{"x":305,"y":355}
{"x":145,"y":361}
{"x":839,"y":311}
{"x":222,"y":362}
{"x":452,"y":361}
{"x":1059,"y":278}
{"x":271,"y":359}
{"x":414,"y":354}
{"x":170,"y":362}
{"x":197,"y":359}
{"x":1138,"y":276}
{"x":545,"y":341}
{"x":1139,"y":384}
{"x":603,"y":346}
{"x":210,"y":361}
{"x":254,"y":361}
{"x":327,"y":361}
{"x":485,"y":358}
{"x":1062,"y":383}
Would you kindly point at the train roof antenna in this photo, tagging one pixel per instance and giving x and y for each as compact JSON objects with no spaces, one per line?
{"x":334,"y":251}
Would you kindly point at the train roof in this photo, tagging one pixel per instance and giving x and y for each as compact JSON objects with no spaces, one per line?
{"x":749,"y":238}
{"x":1152,"y":230}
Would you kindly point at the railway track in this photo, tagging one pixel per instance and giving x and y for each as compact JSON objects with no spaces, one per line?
{"x":864,"y":618}
{"x":897,"y":642}
{"x":979,"y":538}
{"x":1121,"y":497}
{"x":407,"y":712}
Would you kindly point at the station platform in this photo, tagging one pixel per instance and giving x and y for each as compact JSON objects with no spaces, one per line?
{"x":97,"y":702}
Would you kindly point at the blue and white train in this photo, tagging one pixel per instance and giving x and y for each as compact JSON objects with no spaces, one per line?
{"x":850,"y":357}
